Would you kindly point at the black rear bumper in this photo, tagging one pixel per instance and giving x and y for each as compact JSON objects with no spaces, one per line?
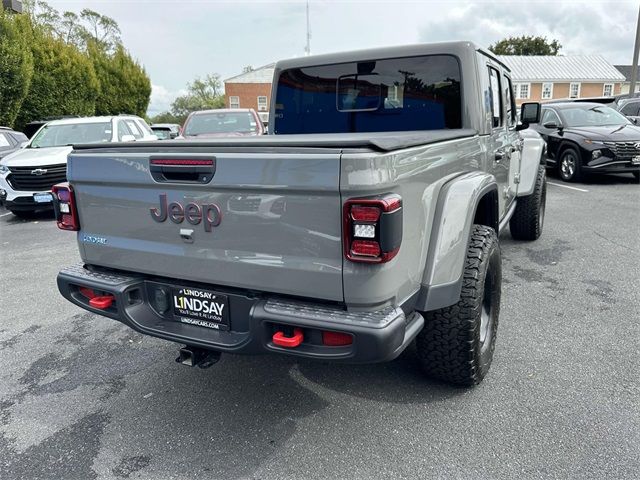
{"x":377,"y":336}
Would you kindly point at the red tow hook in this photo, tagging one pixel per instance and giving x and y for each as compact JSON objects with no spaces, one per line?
{"x":288,"y":342}
{"x":100,"y":302}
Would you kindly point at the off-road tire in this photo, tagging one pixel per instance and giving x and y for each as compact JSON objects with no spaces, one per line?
{"x":451,"y":346}
{"x":528,"y":219}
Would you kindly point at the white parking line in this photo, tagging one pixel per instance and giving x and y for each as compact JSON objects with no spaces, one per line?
{"x":5,"y":214}
{"x":567,"y":186}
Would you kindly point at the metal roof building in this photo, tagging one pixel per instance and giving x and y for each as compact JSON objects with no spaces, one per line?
{"x":574,"y":68}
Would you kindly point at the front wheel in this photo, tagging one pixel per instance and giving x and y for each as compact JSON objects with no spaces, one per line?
{"x":456,"y":344}
{"x":569,"y":165}
{"x":528,"y":217}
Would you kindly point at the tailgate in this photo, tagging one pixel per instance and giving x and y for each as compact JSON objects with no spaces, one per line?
{"x":261,"y":221}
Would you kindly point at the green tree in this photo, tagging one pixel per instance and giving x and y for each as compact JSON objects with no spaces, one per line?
{"x":64,"y":82}
{"x":202,"y":94}
{"x":102,"y":31}
{"x":166,"y":117}
{"x":16,"y":66}
{"x":125,"y":86}
{"x":526,"y":45}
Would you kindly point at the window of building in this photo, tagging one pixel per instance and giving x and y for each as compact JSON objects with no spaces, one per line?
{"x":234,"y":102}
{"x":607,"y":89}
{"x":574,"y":90}
{"x":262,"y":103}
{"x":547,"y":91}
{"x":522,"y":91}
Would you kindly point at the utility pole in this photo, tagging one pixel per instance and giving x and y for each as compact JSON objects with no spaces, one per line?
{"x":307,"y":49}
{"x":634,"y":66}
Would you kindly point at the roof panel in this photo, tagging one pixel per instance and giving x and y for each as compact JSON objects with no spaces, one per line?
{"x":262,"y":74}
{"x":574,"y":68}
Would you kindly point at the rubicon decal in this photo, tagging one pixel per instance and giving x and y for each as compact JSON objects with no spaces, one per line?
{"x":209,"y":213}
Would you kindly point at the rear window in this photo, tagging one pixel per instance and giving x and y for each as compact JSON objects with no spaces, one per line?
{"x":220,"y":123}
{"x":399,"y":94}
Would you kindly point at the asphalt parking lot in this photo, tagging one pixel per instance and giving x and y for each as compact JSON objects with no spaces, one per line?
{"x":85,"y":397}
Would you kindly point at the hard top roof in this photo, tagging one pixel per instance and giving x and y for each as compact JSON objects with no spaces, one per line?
{"x":443,"y":48}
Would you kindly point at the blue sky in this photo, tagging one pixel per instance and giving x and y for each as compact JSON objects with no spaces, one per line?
{"x":177,"y":40}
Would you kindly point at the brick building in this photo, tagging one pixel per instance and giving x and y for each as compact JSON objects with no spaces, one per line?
{"x":540,"y":78}
{"x":250,"y":90}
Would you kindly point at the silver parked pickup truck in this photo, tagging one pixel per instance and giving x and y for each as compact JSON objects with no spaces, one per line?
{"x":368,"y":219}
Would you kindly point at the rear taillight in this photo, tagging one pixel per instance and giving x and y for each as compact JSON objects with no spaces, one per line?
{"x":372,"y":228}
{"x":64,"y":205}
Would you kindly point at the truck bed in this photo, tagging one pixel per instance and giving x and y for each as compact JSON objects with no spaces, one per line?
{"x":376,"y":141}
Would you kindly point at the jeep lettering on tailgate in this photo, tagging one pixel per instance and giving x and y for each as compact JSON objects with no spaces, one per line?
{"x":208,"y":213}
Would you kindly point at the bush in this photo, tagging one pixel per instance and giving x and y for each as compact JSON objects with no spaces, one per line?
{"x":16,"y":66}
{"x":64,"y":83}
{"x":125,"y":86}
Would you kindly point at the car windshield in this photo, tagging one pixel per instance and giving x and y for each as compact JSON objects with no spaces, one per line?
{"x":70,"y":134}
{"x":597,"y":116}
{"x":221,"y":122}
{"x":162,"y":133}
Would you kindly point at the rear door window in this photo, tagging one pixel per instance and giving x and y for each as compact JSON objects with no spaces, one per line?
{"x":5,"y":143}
{"x":495,"y":98}
{"x":123,"y":129}
{"x":399,"y":94}
{"x":630,"y":109}
{"x":510,"y":101}
{"x":134,"y":129}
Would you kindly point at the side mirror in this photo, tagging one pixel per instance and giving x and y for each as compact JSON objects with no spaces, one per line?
{"x":127,"y":138}
{"x":634,"y":120}
{"x":530,"y":112}
{"x":173,"y":135}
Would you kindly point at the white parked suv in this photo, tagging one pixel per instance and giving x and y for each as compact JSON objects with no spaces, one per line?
{"x":27,"y":175}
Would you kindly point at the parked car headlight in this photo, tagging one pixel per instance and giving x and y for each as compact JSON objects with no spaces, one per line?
{"x":4,"y":169}
{"x":593,"y":142}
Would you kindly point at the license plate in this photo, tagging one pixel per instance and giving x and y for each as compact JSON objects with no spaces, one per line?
{"x":201,"y":307}
{"x":635,"y":160}
{"x":42,"y":197}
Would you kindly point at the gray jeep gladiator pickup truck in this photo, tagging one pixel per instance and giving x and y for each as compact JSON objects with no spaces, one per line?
{"x":367,"y":220}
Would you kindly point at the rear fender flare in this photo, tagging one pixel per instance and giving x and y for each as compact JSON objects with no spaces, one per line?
{"x":454,"y":217}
